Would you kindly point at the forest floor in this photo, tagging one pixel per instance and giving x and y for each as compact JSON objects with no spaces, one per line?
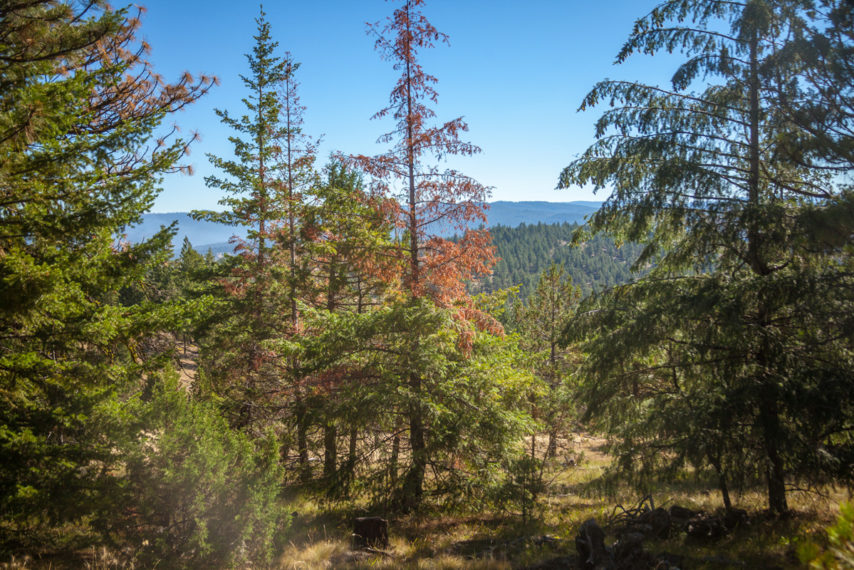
{"x":319,"y":536}
{"x":187,"y":364}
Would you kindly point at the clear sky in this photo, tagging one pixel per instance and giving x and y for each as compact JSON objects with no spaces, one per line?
{"x":515,"y":69}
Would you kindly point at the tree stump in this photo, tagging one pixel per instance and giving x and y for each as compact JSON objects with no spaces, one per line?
{"x":370,"y":532}
{"x":590,"y":545}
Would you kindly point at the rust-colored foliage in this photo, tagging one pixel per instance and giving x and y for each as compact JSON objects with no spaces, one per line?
{"x":140,"y":94}
{"x":427,"y":199}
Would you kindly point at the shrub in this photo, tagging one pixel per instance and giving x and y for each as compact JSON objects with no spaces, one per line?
{"x":196,"y":492}
{"x":840,"y":551}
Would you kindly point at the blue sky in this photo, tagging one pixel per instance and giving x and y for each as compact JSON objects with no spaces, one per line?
{"x":515,"y":70}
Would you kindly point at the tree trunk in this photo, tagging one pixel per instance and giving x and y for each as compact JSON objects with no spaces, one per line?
{"x":302,"y":443}
{"x":392,"y":462}
{"x":775,"y":473}
{"x":551,"y":449}
{"x":330,"y":451}
{"x":768,"y":413}
{"x":292,"y":242}
{"x":722,"y":485}
{"x":413,"y":485}
{"x":533,"y":446}
{"x":351,"y":452}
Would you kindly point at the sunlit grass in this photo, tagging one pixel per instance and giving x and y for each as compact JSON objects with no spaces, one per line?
{"x":320,"y":535}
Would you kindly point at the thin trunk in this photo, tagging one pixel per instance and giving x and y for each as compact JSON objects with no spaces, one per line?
{"x":551,"y":449}
{"x":330,"y":451}
{"x":722,"y":484}
{"x":410,"y":160}
{"x":392,"y":462}
{"x":302,"y":443}
{"x":291,"y":215}
{"x":351,"y":452}
{"x":330,"y":436}
{"x":533,"y":446}
{"x":775,"y":472}
{"x":413,"y":486}
{"x":769,"y":411}
{"x":753,"y":235}
{"x":347,"y":473}
{"x":284,"y":449}
{"x":724,"y":491}
{"x":259,"y":275}
{"x":262,"y":186}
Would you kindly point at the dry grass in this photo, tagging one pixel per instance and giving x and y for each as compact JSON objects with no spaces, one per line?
{"x":319,"y":537}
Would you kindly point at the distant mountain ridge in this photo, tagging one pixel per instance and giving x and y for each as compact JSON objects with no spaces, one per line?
{"x":512,"y":214}
{"x":209,"y":235}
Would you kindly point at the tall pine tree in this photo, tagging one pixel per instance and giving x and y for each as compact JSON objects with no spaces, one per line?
{"x":722,"y":354}
{"x":238,"y":365}
{"x":85,"y":410}
{"x":426,"y":198}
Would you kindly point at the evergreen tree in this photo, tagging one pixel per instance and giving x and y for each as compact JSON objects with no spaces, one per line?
{"x":426,"y":197}
{"x":79,"y":103}
{"x":540,"y":323}
{"x":296,"y":171}
{"x":720,"y":355}
{"x":347,"y":243}
{"x":83,"y":153}
{"x":296,"y":178}
{"x":238,"y":365}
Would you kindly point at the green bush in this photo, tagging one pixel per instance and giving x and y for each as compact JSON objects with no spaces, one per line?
{"x":196,"y":493}
{"x":840,"y":551}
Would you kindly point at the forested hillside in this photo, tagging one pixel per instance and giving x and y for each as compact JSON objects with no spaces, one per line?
{"x":528,"y":250}
{"x":206,"y":234}
{"x":247,"y":410}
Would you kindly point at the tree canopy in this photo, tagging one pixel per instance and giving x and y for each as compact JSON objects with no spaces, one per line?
{"x":722,"y":353}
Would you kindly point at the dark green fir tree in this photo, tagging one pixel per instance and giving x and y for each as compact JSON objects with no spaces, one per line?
{"x":87,"y":406}
{"x":733,"y":353}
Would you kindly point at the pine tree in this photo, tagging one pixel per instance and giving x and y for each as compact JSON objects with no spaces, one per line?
{"x":237,"y":362}
{"x":540,"y":323}
{"x":83,"y":153}
{"x":721,"y":354}
{"x":426,"y":198}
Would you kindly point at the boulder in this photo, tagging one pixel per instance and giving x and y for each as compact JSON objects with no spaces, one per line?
{"x":706,"y":528}
{"x":657,"y":521}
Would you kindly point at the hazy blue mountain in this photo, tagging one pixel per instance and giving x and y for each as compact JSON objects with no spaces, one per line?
{"x":208,"y":235}
{"x":511,"y":214}
{"x":203,"y":235}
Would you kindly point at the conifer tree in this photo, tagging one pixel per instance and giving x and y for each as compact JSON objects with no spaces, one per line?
{"x":237,"y":363}
{"x":719,"y":355}
{"x":83,"y":153}
{"x":540,"y":323}
{"x":346,"y":242}
{"x":426,"y":197}
{"x":296,"y":178}
{"x":295,"y":169}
